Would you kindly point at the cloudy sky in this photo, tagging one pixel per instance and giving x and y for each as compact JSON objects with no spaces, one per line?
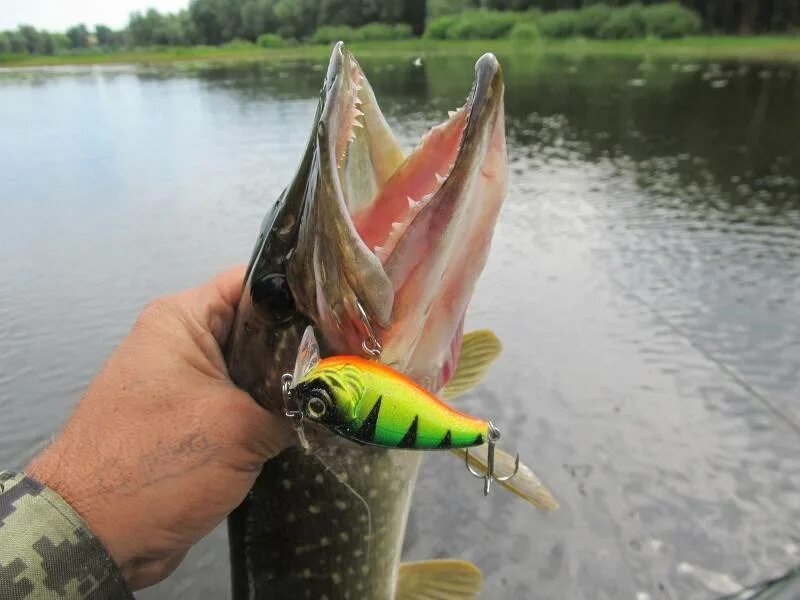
{"x":57,"y":15}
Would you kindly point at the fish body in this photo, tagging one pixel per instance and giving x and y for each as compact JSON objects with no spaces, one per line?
{"x":328,"y":523}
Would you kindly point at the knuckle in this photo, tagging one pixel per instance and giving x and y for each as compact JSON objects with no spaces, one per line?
{"x":154,"y":310}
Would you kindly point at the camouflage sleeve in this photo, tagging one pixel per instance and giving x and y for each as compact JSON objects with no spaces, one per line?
{"x":46,"y":550}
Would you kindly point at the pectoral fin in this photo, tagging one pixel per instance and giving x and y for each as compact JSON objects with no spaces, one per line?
{"x":445,"y":579}
{"x":524,"y":484}
{"x":478,"y":351}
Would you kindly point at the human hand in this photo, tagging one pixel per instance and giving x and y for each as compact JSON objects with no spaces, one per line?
{"x":163,"y":445}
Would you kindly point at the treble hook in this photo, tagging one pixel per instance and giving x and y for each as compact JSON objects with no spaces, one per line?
{"x":494,"y":436}
{"x":371,"y":345}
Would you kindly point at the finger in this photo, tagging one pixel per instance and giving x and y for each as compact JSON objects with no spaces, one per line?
{"x":263,"y":433}
{"x":229,"y":284}
{"x":213,"y":304}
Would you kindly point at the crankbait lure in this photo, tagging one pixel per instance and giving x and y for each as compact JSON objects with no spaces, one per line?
{"x":370,"y":403}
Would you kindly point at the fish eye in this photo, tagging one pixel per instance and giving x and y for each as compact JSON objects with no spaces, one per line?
{"x":316,"y":406}
{"x":272,"y":295}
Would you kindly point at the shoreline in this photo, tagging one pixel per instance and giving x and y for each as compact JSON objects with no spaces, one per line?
{"x":766,"y":48}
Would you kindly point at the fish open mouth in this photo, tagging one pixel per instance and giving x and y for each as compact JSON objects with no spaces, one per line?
{"x":395,"y":243}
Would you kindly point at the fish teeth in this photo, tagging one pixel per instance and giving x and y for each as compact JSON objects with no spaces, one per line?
{"x":358,"y":113}
{"x":397,"y":226}
{"x":357,"y":123}
{"x":452,"y":113}
{"x":440,"y":178}
{"x":378,"y":250}
{"x":411,"y":202}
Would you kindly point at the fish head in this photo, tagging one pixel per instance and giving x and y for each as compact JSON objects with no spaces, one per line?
{"x":373,"y":248}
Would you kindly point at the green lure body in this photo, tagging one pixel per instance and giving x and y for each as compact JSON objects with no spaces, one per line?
{"x":370,"y":403}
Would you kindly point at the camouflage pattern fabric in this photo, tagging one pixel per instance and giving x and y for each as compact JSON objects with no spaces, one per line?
{"x":46,"y":550}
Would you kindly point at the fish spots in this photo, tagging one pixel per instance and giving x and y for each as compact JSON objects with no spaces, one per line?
{"x":336,"y":578}
{"x":319,"y":478}
{"x":367,"y":469}
{"x":358,"y":553}
{"x":287,"y":484}
{"x":291,"y":517}
{"x":344,"y":536}
{"x":323,"y":542}
{"x":373,"y":493}
{"x":314,"y":509}
{"x":410,"y":438}
{"x":340,"y":504}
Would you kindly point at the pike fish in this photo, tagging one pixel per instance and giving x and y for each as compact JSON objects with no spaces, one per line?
{"x":375,"y":250}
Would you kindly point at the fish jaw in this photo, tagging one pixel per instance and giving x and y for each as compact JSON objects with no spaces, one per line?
{"x":336,"y":280}
{"x":439,"y":254}
{"x":389,"y":247}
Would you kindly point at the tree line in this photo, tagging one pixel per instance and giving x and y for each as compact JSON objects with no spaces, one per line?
{"x":216,"y":22}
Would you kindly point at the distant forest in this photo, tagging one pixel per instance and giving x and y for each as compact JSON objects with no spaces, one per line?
{"x":216,"y":22}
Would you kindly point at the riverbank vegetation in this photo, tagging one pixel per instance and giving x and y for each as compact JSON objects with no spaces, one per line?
{"x":763,"y":48}
{"x":230,"y":28}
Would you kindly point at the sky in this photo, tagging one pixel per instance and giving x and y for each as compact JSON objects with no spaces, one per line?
{"x":58,"y":15}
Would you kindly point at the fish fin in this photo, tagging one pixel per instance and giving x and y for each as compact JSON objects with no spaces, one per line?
{"x":524,"y":484}
{"x":443,"y":579}
{"x":307,"y":355}
{"x":478,"y":351}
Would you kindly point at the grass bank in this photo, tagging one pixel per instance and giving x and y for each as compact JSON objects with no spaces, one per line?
{"x":769,"y":48}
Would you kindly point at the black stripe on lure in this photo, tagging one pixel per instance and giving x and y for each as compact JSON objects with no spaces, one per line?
{"x":370,"y":403}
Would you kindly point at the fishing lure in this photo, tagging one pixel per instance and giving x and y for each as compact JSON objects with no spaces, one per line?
{"x":370,"y":403}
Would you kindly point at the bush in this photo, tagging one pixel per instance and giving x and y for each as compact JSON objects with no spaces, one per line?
{"x":590,"y":19}
{"x":327,"y":34}
{"x":624,"y":23}
{"x":670,"y":20}
{"x":437,"y":28}
{"x":525,"y":32}
{"x":476,"y":25}
{"x":270,"y":40}
{"x":385,"y":31}
{"x":559,"y":23}
{"x":483,"y":25}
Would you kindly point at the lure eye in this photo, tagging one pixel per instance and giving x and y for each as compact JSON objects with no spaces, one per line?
{"x":316,"y":408}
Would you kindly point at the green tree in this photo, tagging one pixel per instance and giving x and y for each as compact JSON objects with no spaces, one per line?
{"x":78,"y":36}
{"x":438,"y":8}
{"x":5,"y":43}
{"x":34,"y":40}
{"x":105,"y":36}
{"x":258,"y":16}
{"x":298,"y":18}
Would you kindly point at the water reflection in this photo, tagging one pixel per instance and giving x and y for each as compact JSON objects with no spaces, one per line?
{"x":644,"y":278}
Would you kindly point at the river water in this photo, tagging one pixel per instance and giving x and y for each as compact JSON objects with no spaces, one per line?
{"x":645,"y":280}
